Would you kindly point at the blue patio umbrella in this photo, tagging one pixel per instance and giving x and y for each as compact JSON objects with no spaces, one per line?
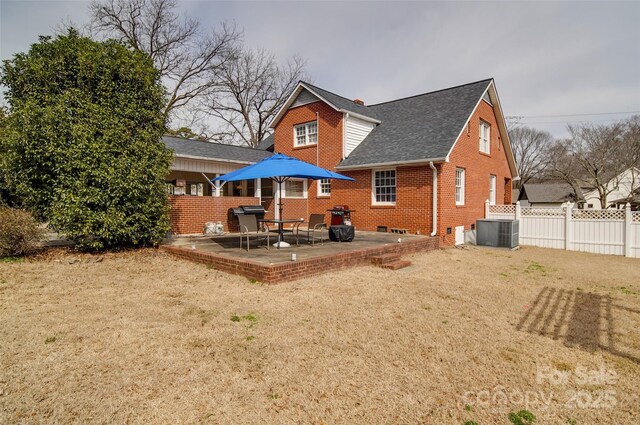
{"x":281,"y":168}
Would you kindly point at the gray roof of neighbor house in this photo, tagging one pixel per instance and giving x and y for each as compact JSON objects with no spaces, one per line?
{"x":422,"y":127}
{"x":214,"y":151}
{"x":548,"y":193}
{"x":342,"y":102}
{"x":266,"y":143}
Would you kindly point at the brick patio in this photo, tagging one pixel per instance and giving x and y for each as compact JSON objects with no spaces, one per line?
{"x":275,"y":265}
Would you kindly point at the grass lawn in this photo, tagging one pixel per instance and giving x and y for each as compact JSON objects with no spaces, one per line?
{"x":464,"y":334}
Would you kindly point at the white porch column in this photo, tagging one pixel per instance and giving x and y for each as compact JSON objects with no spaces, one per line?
{"x":258,"y":189}
{"x":216,"y":183}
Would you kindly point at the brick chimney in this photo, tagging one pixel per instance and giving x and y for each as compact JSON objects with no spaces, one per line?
{"x":358,"y":101}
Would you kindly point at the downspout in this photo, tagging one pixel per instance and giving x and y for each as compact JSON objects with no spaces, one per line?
{"x":345,"y":118}
{"x":317,"y":139}
{"x":434,"y":191}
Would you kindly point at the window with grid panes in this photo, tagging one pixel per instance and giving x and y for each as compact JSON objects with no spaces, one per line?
{"x":384,"y":187}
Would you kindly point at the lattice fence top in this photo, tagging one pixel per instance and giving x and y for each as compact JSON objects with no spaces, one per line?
{"x":542,"y":212}
{"x":598,"y":214}
{"x":502,"y":209}
{"x":635,"y":216}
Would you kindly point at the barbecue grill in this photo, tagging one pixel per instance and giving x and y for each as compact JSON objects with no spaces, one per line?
{"x":257,"y":210}
{"x":340,"y":214}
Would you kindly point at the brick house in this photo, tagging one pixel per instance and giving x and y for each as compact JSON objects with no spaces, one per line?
{"x":453,"y":140}
{"x":445,"y":152}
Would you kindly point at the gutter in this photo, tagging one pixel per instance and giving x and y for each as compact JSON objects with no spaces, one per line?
{"x":203,"y":158}
{"x":362,"y":117}
{"x":434,"y":192}
{"x":395,"y":163}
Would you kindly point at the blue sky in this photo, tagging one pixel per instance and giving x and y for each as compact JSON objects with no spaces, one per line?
{"x":548,"y":58}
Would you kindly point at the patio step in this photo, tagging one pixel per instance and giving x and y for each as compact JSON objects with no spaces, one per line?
{"x":379,"y":260}
{"x":395,"y":265}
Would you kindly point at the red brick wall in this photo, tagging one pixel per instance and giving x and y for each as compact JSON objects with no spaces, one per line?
{"x":190,"y":213}
{"x":283,"y":272}
{"x":478,"y":167}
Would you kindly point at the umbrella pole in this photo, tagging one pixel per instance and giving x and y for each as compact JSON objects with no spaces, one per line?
{"x":280,"y":199}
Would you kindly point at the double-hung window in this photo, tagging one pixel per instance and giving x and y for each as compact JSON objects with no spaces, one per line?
{"x":485,"y":137}
{"x":459,"y":186}
{"x":384,"y":187}
{"x":306,"y":134}
{"x":492,"y":189}
{"x":324,"y":187}
{"x":295,"y":188}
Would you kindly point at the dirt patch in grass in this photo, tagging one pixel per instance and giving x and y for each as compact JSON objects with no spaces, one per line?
{"x":466,"y":334}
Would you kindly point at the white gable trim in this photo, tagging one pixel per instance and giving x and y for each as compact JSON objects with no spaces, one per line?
{"x":296,"y":93}
{"x":502,"y":128}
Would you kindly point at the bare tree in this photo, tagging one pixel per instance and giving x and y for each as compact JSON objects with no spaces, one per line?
{"x":250,"y":90}
{"x":531,"y":151}
{"x":599,"y":154}
{"x":185,"y":57}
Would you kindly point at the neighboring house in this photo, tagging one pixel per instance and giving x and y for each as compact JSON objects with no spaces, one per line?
{"x":633,"y":200}
{"x":452,"y":140}
{"x":547,"y":195}
{"x":619,"y":188}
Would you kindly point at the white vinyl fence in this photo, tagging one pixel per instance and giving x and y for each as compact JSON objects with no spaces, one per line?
{"x":615,"y":232}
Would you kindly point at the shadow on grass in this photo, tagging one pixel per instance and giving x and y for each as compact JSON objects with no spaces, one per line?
{"x":579,"y":319}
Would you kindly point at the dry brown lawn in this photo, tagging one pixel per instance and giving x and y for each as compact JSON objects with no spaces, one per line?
{"x":464,"y":334}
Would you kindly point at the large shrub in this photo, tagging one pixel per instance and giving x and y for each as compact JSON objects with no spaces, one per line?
{"x":83,"y":140}
{"x":19,"y":232}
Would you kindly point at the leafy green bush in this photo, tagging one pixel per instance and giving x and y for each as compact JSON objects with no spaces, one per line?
{"x":83,"y":140}
{"x":19,"y":232}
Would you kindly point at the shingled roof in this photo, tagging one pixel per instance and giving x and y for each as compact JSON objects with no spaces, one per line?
{"x":418,"y":128}
{"x":214,"y":151}
{"x":341,"y":102}
{"x":267,"y":142}
{"x":548,"y":193}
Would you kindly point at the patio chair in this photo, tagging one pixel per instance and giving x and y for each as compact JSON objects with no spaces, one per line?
{"x":315,"y":224}
{"x":249,"y":228}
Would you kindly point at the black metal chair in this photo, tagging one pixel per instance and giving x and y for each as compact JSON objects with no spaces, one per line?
{"x":249,"y":228}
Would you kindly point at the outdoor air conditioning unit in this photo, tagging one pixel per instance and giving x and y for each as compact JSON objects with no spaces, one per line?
{"x":498,"y":233}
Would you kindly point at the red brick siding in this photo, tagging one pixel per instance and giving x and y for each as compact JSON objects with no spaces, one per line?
{"x":190,"y":213}
{"x":478,"y":167}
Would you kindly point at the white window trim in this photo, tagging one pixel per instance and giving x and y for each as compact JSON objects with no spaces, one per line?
{"x":462,"y":185}
{"x":373,"y":187}
{"x":481,"y":139}
{"x":304,"y":190}
{"x":493,"y":187}
{"x":306,"y":132}
{"x":319,"y":192}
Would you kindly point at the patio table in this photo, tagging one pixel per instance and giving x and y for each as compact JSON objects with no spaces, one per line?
{"x":281,"y":222}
